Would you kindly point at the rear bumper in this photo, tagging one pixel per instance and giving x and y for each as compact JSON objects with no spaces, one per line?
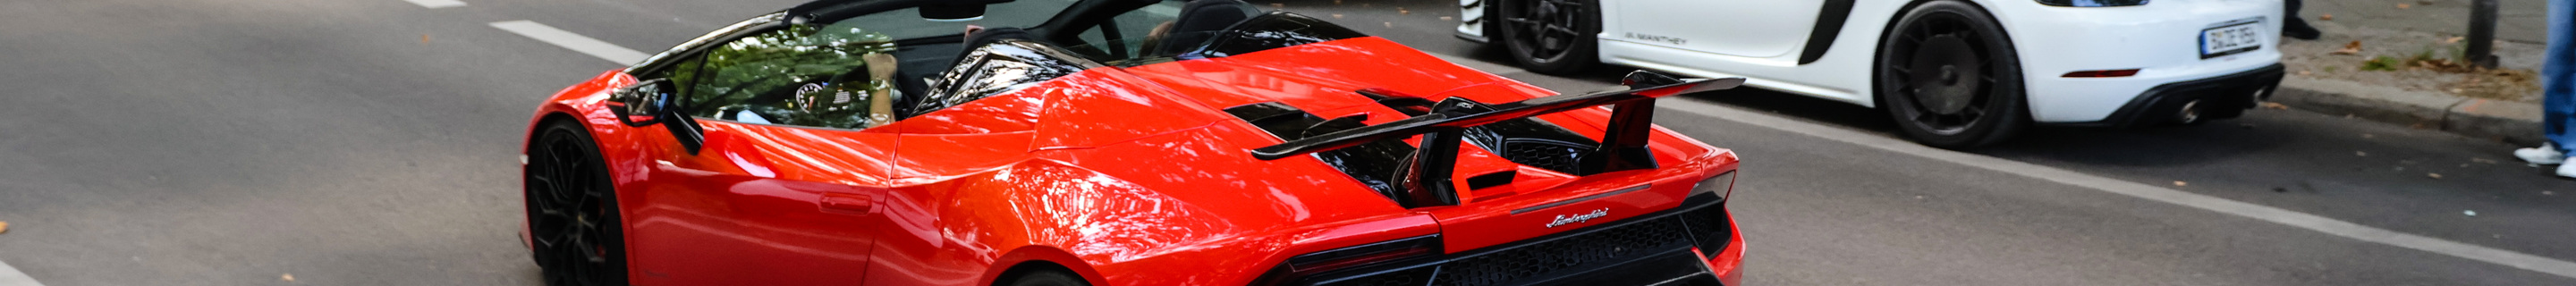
{"x":2221,"y":97}
{"x":1694,"y":244}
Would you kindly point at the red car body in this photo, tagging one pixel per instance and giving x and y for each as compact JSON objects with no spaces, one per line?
{"x":1122,"y":175}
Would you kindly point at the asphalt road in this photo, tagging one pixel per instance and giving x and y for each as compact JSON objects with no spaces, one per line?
{"x":373,"y":142}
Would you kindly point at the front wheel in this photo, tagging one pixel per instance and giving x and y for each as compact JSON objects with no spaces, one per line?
{"x":1949,"y":75}
{"x":1548,"y":36}
{"x":572,"y":209}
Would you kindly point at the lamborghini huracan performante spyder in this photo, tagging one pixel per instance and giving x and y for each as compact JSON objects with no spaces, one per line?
{"x":1953,"y":73}
{"x":1108,"y":142}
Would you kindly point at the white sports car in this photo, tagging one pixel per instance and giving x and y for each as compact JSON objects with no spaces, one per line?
{"x":1954,"y":73}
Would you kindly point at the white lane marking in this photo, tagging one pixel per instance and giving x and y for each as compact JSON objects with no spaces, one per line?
{"x":11,"y":277}
{"x":2143,"y":191}
{"x":435,"y":4}
{"x":575,"y":42}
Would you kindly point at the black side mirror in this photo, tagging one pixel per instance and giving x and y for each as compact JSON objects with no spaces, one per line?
{"x":643,"y":103}
{"x":652,"y":102}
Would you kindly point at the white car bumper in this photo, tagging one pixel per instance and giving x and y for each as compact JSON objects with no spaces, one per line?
{"x":2161,"y":40}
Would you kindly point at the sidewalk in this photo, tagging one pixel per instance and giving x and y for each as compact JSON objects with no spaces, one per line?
{"x":2497,"y":106}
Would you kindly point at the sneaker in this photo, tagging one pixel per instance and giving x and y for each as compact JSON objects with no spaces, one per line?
{"x":2546,"y":154}
{"x":2567,"y":171}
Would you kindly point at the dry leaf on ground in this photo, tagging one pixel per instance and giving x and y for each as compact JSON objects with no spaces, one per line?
{"x":2434,"y":175}
{"x":4,"y":227}
{"x":2325,"y":17}
{"x":1400,"y":10}
{"x":289,"y":277}
{"x":2350,"y":48}
{"x":2404,"y":6}
{"x":2181,"y":183}
{"x":2274,"y":106}
{"x":2454,"y":40}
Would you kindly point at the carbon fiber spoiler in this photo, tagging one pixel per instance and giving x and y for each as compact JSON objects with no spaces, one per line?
{"x":1426,"y":177}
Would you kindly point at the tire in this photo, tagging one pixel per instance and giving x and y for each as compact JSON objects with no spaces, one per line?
{"x":1556,"y":37}
{"x":573,"y":220}
{"x":1950,"y":77}
{"x":1048,"y":278}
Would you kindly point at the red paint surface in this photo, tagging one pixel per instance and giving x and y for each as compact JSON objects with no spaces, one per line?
{"x":1126,"y":176}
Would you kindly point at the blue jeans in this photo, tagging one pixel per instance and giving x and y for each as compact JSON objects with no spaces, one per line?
{"x":2558,"y":83}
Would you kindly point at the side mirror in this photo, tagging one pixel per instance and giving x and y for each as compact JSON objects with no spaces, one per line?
{"x":652,"y":102}
{"x":643,"y":103}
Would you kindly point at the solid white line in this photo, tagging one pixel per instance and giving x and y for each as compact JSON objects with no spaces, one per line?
{"x":11,"y":277}
{"x":575,"y":42}
{"x":2143,"y":191}
{"x":435,"y":4}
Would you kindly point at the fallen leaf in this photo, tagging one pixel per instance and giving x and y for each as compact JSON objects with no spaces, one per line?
{"x":424,"y":38}
{"x":1337,"y":16}
{"x":2454,"y":40}
{"x":1444,"y":18}
{"x":289,"y":277}
{"x":2305,"y":73}
{"x":2433,"y":175}
{"x":2404,"y":6}
{"x":1400,"y":10}
{"x":4,"y":227}
{"x":2274,"y":106}
{"x":2325,"y":17}
{"x":1390,"y":24}
{"x":2350,"y":48}
{"x":2181,"y":183}
{"x":2360,"y":153}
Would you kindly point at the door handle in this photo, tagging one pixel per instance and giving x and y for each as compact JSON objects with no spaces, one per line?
{"x":847,"y":203}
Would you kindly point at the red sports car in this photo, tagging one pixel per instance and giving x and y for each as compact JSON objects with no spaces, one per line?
{"x":1108,"y":142}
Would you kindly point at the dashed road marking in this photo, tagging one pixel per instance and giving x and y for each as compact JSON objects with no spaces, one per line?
{"x":435,"y":4}
{"x":11,"y":277}
{"x":575,"y":42}
{"x":2143,"y":191}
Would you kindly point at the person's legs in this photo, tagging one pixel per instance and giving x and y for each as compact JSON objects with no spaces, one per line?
{"x":2294,"y":26}
{"x":2558,"y":82}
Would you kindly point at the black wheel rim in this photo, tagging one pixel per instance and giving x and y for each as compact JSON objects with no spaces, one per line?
{"x":1943,"y":72}
{"x":568,"y":213}
{"x":1546,"y":30}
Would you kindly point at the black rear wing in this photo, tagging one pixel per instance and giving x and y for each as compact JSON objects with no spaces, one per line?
{"x":1425,"y":179}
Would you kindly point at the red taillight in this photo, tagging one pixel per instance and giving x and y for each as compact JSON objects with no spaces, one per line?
{"x":1352,"y":257}
{"x":2103,"y":73}
{"x":1363,"y":259}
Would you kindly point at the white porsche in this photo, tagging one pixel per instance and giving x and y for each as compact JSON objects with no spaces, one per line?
{"x":1954,"y":73}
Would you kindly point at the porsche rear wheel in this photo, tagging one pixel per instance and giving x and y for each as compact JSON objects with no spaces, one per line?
{"x":1549,"y":36}
{"x":1950,"y":77}
{"x":572,"y":209}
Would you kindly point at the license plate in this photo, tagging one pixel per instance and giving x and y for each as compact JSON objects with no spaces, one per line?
{"x":2230,"y":39}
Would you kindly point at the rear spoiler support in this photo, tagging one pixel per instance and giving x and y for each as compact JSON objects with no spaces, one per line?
{"x":1426,"y":178}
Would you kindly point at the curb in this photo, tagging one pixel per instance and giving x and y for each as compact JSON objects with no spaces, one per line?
{"x":2511,"y":122}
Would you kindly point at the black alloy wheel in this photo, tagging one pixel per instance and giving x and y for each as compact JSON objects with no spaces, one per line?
{"x":572,"y":209}
{"x":1548,"y":36}
{"x":1949,"y":76}
{"x":1049,"y":278}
